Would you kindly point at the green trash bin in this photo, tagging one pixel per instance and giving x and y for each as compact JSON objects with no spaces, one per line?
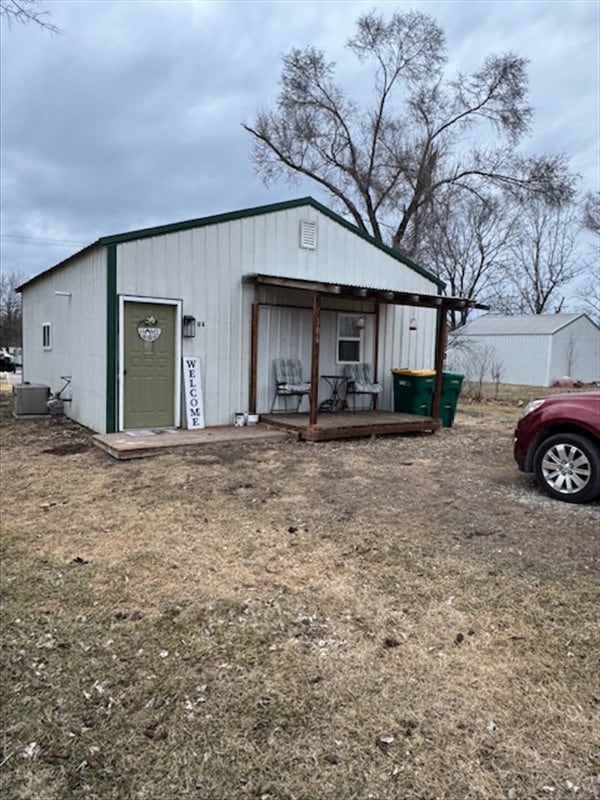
{"x":451,"y":387}
{"x":413,"y":390}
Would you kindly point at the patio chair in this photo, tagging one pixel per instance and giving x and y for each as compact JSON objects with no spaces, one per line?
{"x":288,"y":381}
{"x":360,"y":381}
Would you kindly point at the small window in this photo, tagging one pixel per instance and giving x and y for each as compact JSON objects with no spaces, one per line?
{"x":46,"y":337}
{"x":349,"y":340}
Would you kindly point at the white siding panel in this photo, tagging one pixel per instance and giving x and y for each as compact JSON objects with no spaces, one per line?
{"x":401,"y":348}
{"x":201,"y":267}
{"x":539,"y":359}
{"x":78,"y":329}
{"x":282,"y":333}
{"x":341,"y":256}
{"x":576,"y":352}
{"x":286,"y":333}
{"x":522,"y":359}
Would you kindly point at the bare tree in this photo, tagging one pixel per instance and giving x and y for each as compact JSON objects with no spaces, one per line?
{"x":26,"y":12}
{"x":588,"y":293}
{"x":386,"y":163}
{"x":10,"y":309}
{"x":478,"y":361}
{"x":542,"y":260}
{"x":591,"y":212}
{"x":464,"y":243}
{"x":497,"y":372}
{"x":571,"y":355}
{"x":484,"y":358}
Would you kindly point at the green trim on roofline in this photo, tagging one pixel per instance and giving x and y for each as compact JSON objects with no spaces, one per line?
{"x":111,"y":338}
{"x":244,"y":213}
{"x":88,"y":248}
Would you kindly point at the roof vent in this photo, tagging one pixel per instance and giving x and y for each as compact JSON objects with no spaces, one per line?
{"x":308,"y":235}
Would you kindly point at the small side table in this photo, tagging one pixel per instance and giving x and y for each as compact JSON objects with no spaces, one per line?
{"x":335,"y":382}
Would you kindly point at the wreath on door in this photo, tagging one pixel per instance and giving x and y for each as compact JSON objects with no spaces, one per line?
{"x":148,"y":329}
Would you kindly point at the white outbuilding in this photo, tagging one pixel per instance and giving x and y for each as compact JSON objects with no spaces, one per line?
{"x":122,"y":317}
{"x":533,"y":350}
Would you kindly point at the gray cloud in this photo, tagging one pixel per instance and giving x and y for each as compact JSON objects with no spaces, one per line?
{"x":132,"y":117}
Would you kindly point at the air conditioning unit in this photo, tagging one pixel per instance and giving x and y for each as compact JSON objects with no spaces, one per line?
{"x":29,"y":399}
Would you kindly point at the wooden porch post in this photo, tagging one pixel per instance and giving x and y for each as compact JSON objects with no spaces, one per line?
{"x":314,"y":360}
{"x":440,"y":348}
{"x":253,"y":358}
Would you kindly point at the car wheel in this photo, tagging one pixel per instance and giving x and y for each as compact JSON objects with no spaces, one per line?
{"x":567,"y":467}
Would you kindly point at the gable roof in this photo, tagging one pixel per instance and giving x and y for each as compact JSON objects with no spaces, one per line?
{"x":525,"y":325}
{"x":216,"y":219}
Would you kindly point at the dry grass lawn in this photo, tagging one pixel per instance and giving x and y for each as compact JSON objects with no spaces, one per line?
{"x":404,"y":617}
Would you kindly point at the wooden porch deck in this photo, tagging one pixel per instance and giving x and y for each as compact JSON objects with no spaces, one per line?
{"x":346,"y":425}
{"x":141,"y":443}
{"x":272,"y":427}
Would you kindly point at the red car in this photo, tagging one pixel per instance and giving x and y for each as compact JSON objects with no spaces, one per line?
{"x":558,"y":438}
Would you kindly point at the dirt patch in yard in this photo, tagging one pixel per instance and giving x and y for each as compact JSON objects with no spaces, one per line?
{"x":404,"y":617}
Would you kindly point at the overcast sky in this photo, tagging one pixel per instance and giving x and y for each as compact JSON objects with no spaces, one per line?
{"x":132,"y":117}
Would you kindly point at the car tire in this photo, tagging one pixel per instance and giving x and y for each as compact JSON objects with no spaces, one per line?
{"x":567,"y":467}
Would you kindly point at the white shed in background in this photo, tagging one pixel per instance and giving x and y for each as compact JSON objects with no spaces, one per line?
{"x":532,"y":350}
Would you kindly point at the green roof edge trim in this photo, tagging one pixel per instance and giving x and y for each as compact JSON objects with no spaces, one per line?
{"x":244,"y":213}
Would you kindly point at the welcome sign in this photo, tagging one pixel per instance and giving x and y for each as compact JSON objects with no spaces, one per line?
{"x":194,"y":403}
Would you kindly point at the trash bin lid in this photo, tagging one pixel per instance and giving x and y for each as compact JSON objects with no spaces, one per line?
{"x":453,"y":375}
{"x":421,"y":373}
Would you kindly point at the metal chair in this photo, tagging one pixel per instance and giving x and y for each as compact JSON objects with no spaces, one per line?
{"x":360,"y":381}
{"x":288,"y":381}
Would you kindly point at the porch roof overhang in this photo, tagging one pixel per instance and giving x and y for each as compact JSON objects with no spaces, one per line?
{"x":355,"y":292}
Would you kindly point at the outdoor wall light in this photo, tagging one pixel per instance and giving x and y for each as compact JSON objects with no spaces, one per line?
{"x":189,"y":327}
{"x":412,"y":325}
{"x":360,"y":323}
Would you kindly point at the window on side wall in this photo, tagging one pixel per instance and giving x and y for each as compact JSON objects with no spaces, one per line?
{"x":47,"y":336}
{"x":349,"y":338}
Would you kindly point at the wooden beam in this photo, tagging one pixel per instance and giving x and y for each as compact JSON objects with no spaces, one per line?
{"x":314,"y":361}
{"x":293,"y":283}
{"x":253,"y":358}
{"x":348,"y":290}
{"x":440,"y":349}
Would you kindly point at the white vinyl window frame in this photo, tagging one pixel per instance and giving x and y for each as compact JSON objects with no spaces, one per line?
{"x":46,"y":336}
{"x":128,"y":298}
{"x":341,"y":337}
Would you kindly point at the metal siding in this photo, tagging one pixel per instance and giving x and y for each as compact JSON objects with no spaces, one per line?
{"x":201,"y":267}
{"x":282,"y":333}
{"x":78,"y":335}
{"x":538,"y":360}
{"x":275,"y":341}
{"x":285,"y":332}
{"x":576,"y":352}
{"x":204,"y":267}
{"x":523,"y":359}
{"x":340,"y":255}
{"x":519,"y":325}
{"x":400,"y":347}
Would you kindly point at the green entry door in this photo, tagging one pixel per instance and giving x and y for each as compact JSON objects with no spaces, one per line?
{"x":149,"y":368}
